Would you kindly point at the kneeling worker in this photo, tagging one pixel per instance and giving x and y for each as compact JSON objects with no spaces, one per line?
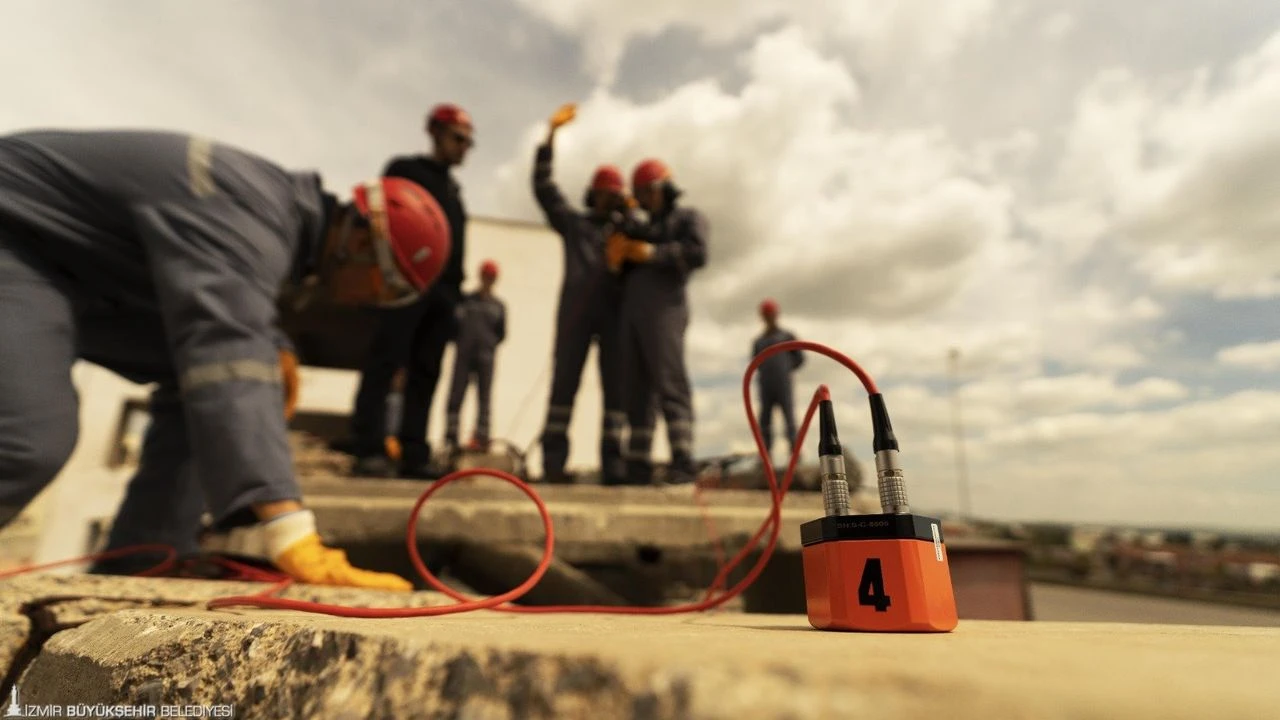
{"x":160,"y":257}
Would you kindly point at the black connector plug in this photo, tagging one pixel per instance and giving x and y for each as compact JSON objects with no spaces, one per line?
{"x":882,"y":430}
{"x":835,"y":483}
{"x":828,"y":438}
{"x":893,"y":490}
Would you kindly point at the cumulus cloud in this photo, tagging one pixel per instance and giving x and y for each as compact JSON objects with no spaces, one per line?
{"x":1184,"y":175}
{"x":833,"y":220}
{"x":884,"y":34}
{"x":1058,"y":25}
{"x":1255,"y":356}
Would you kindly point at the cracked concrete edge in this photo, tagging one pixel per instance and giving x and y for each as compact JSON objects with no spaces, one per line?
{"x":68,"y":600}
{"x":15,"y":630}
{"x":20,"y":590}
{"x":483,"y":665}
{"x":284,"y":666}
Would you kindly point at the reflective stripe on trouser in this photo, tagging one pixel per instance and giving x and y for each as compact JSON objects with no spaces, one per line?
{"x":614,"y":418}
{"x":655,"y":374}
{"x":466,"y":367}
{"x":574,"y":336}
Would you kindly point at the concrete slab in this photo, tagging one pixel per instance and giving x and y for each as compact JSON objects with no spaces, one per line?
{"x":32,"y":607}
{"x":495,"y":489}
{"x":493,"y":665}
{"x":26,"y":589}
{"x":588,"y":527}
{"x":15,"y":630}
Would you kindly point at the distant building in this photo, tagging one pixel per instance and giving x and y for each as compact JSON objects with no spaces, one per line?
{"x":1085,"y":539}
{"x":1152,"y":539}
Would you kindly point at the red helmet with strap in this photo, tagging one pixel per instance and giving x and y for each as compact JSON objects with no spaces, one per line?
{"x":769,"y":307}
{"x":411,"y":235}
{"x":607,"y":178}
{"x":448,"y":114}
{"x":647,"y":173}
{"x":489,"y":269}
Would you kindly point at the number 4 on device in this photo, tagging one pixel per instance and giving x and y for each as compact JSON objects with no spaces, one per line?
{"x":878,"y":573}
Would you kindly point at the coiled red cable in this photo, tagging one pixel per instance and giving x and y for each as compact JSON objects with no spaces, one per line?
{"x":714,"y":597}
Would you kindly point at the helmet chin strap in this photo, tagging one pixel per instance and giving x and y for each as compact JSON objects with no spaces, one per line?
{"x":401,"y":292}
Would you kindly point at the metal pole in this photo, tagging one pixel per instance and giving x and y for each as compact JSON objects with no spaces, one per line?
{"x":962,"y":471}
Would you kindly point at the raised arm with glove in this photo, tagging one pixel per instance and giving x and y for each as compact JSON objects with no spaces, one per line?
{"x":588,"y":306}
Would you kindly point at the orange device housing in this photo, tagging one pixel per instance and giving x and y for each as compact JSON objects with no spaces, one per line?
{"x":877,"y":573}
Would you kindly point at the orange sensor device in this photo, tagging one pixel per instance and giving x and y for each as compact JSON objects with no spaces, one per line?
{"x":876,"y":573}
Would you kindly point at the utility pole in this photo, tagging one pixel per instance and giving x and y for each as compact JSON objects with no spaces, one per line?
{"x":957,"y":428}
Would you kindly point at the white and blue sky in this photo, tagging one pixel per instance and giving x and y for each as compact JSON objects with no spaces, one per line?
{"x":1082,"y":197}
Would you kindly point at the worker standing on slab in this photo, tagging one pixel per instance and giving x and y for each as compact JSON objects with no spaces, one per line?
{"x":160,"y":257}
{"x":773,"y":377}
{"x":482,"y":326}
{"x":415,"y":337}
{"x":654,"y":318}
{"x":588,"y":310}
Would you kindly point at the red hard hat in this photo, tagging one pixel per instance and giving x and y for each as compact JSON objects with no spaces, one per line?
{"x":608,"y":178}
{"x":448,"y":114}
{"x":648,"y":172}
{"x":489,"y":268}
{"x":420,"y":236}
{"x":769,"y":307}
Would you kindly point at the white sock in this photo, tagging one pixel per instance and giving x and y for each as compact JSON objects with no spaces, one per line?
{"x":265,"y":540}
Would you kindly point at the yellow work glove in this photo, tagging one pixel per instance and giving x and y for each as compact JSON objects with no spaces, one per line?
{"x":392,"y":446}
{"x":638,"y":251}
{"x":309,"y":561}
{"x":564,"y":115}
{"x":289,"y":378}
{"x":615,"y":251}
{"x":291,"y":543}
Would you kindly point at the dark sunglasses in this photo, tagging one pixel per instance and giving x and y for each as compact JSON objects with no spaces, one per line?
{"x":465,"y":140}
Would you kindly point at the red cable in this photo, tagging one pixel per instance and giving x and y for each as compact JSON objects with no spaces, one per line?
{"x":164,"y":565}
{"x":771,"y":525}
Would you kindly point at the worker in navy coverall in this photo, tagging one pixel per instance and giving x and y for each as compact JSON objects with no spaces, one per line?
{"x":653,"y":320}
{"x":415,"y":337}
{"x":590,"y":297}
{"x":774,"y":377}
{"x":161,"y":257}
{"x":482,"y":326}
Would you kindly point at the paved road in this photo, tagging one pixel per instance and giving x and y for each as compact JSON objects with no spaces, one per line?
{"x":1071,"y":604}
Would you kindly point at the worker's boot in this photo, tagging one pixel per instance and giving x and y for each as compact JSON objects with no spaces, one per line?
{"x":682,"y":470}
{"x":416,"y":462}
{"x":639,"y":472}
{"x":373,"y":466}
{"x":558,"y":477}
{"x":346,"y":445}
{"x":613,"y":471}
{"x":290,"y":544}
